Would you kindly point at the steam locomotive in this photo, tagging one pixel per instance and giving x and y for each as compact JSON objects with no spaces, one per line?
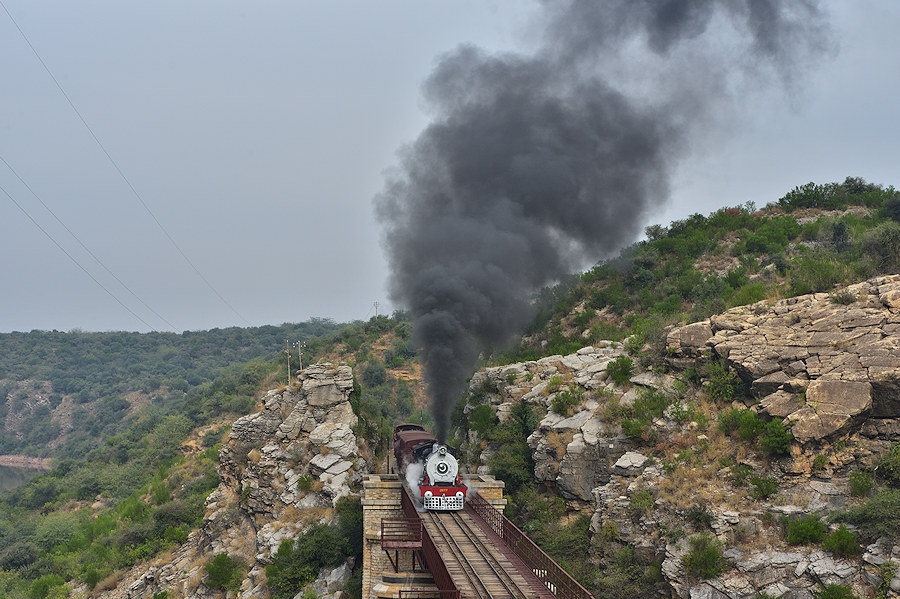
{"x":431,"y":466}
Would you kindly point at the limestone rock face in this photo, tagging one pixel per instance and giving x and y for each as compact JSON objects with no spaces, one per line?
{"x":303,"y":434}
{"x":577,"y":451}
{"x":829,"y":371}
{"x":850,"y":354}
{"x":830,"y":408}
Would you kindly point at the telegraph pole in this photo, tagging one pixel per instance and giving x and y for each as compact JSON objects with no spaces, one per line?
{"x":376,"y":309}
{"x":301,"y":345}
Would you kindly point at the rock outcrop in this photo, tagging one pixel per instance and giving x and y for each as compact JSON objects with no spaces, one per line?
{"x":282,"y":468}
{"x":824,"y":362}
{"x":827,"y":365}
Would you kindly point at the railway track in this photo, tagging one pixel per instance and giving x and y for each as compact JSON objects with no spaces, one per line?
{"x":488,"y":577}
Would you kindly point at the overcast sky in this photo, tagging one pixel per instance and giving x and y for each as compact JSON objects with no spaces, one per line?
{"x":258,"y":135}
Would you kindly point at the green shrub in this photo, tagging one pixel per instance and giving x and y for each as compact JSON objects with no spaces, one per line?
{"x":699,"y":514}
{"x":224,"y":572}
{"x":888,"y":467}
{"x":815,"y":275}
{"x":482,"y":418}
{"x":563,"y":402}
{"x":704,"y":559}
{"x":882,"y":246}
{"x":860,"y":483}
{"x":819,"y":462}
{"x":749,"y":294}
{"x":554,"y":384}
{"x":842,"y":298}
{"x":41,"y":587}
{"x":777,"y":439}
{"x":304,"y":483}
{"x":763,"y":488}
{"x":842,"y":542}
{"x":652,"y":401}
{"x":835,"y":591}
{"x":805,"y":530}
{"x":298,"y":560}
{"x":642,"y":502}
{"x":879,"y":516}
{"x":744,"y":422}
{"x":621,"y":370}
{"x":723,"y":383}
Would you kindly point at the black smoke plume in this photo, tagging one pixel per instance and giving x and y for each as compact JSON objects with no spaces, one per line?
{"x":535,"y":164}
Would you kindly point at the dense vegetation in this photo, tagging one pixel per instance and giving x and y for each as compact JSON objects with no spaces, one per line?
{"x":117,"y":408}
{"x":125,"y":487}
{"x":99,"y":375}
{"x":814,"y":238}
{"x":128,"y":498}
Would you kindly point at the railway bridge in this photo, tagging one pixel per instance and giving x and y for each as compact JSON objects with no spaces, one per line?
{"x":472,"y":554}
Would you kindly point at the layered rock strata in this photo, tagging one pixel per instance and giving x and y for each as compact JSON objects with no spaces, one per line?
{"x":282,"y":468}
{"x":823,"y":362}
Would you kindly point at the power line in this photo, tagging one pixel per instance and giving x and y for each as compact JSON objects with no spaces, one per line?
{"x":119,"y":170}
{"x":75,"y":237}
{"x":78,"y":264}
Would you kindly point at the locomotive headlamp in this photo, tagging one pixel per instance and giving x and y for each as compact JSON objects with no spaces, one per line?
{"x":442,"y":451}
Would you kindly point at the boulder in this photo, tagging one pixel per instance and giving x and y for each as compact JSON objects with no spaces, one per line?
{"x":830,"y":408}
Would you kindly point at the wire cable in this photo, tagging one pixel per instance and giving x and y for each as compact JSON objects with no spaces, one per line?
{"x":78,"y":264}
{"x":84,"y":247}
{"x":119,"y":170}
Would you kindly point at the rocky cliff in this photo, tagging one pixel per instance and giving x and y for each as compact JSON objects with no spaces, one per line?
{"x":281,"y":468}
{"x":826,"y":366}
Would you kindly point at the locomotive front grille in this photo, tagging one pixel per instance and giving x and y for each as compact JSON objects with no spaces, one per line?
{"x":445,"y":503}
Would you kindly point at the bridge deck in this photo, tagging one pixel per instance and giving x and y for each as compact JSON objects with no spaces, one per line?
{"x":479,"y":564}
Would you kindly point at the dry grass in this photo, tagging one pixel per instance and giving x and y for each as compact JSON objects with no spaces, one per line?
{"x":558,"y":441}
{"x":687,"y":486}
{"x":254,"y":455}
{"x":109,"y":583}
{"x":301,"y":517}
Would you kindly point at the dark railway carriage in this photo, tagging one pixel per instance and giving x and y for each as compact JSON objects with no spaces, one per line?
{"x":439,"y":486}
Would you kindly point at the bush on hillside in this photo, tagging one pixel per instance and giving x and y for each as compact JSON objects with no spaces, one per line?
{"x":620,"y":370}
{"x":835,"y":591}
{"x":723,"y":384}
{"x":777,"y":439}
{"x":224,"y":572}
{"x":860,"y":483}
{"x":842,"y":543}
{"x":877,"y":517}
{"x":704,"y":560}
{"x":805,"y":530}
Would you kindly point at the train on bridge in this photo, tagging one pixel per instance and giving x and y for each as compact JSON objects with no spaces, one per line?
{"x":434,"y":468}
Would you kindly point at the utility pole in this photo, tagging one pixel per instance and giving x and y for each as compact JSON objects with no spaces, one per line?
{"x":301,"y":345}
{"x":376,"y":309}
{"x":287,"y":347}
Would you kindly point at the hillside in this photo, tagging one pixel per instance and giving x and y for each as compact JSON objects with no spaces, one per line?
{"x":813,"y":239}
{"x":62,"y":393}
{"x":629,"y":420}
{"x":136,"y":488}
{"x":759,"y":460}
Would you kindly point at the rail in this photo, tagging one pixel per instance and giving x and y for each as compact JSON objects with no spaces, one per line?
{"x":403,"y":533}
{"x":548,"y":571}
{"x":442,"y":579}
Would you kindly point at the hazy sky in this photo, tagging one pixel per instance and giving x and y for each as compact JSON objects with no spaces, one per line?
{"x":258,"y":134}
